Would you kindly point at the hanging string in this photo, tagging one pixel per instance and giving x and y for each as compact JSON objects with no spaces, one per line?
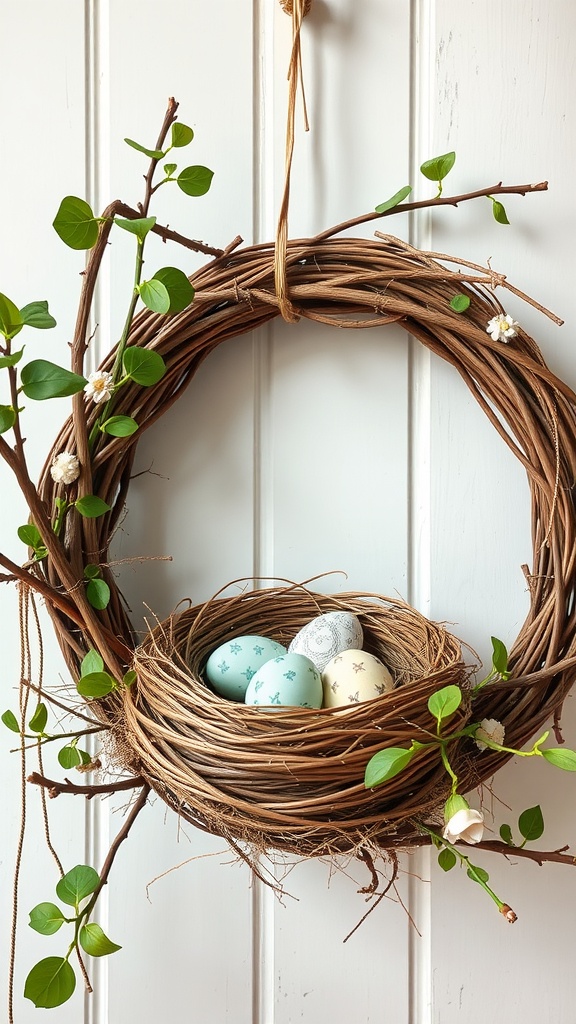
{"x":25,"y":666}
{"x":298,"y":9}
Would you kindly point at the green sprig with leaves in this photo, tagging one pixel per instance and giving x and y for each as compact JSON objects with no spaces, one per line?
{"x":462,"y":823}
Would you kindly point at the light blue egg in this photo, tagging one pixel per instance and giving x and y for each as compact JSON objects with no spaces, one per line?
{"x":290,"y":680}
{"x":231,"y":666}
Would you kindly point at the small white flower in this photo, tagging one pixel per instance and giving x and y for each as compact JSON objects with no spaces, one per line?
{"x":502,"y":327}
{"x":65,"y":468}
{"x":466,"y":825}
{"x":490,"y":729}
{"x":100,"y":386}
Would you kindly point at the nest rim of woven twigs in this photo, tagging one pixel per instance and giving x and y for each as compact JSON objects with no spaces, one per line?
{"x":241,"y":757}
{"x":364,"y":283}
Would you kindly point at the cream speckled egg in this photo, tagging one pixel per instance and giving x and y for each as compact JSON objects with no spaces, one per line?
{"x":231,"y":666}
{"x":327,"y":635}
{"x":354,"y":676}
{"x":290,"y":680}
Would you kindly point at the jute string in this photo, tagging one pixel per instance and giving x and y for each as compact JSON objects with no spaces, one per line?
{"x":298,"y":9}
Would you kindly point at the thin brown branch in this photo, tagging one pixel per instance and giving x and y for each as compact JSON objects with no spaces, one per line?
{"x":496,"y":846}
{"x":46,"y":695}
{"x":138,"y":805}
{"x":57,"y":788}
{"x":539,"y":856}
{"x":495,"y":190}
{"x":168,"y":235}
{"x":37,"y":583}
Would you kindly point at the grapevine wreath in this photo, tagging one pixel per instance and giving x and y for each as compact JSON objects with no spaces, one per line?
{"x":294,"y":780}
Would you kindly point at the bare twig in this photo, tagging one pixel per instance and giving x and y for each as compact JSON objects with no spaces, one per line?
{"x":56,"y":788}
{"x":495,"y":190}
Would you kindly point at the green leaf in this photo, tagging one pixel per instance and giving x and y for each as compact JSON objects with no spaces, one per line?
{"x":385,"y":765}
{"x":394,"y":200}
{"x":36,"y":314}
{"x":445,"y":702}
{"x":154,"y":154}
{"x":129,"y":678}
{"x":561,"y":758}
{"x":30,"y":535}
{"x":98,"y":594}
{"x":10,"y":721}
{"x":120,"y":426}
{"x":180,"y":291}
{"x":459,"y":303}
{"x":91,"y":506}
{"x":76,"y":884}
{"x":50,"y":982}
{"x":75,"y":223}
{"x":92,"y":572}
{"x":454,"y":804}
{"x":477,"y":874}
{"x":69,"y":757}
{"x":499,"y":658}
{"x":155,"y":296}
{"x":169,"y":169}
{"x":182,"y":135}
{"x":95,"y":684}
{"x":499,"y":212}
{"x":10,"y":317}
{"x":95,"y":942}
{"x":42,"y":379}
{"x":84,"y":756}
{"x":446,"y":859}
{"x":506,"y":835}
{"x":92,"y":662}
{"x":7,"y":418}
{"x":38,"y":721}
{"x":46,"y":918}
{"x":143,"y":366}
{"x":12,"y":359}
{"x":531,"y":823}
{"x":438,"y":167}
{"x":139,"y":226}
{"x":195,"y":181}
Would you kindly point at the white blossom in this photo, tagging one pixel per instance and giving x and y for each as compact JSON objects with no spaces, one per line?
{"x":100,"y":386}
{"x":490,"y":729}
{"x":502,"y":327}
{"x":466,"y":825}
{"x":65,"y":468}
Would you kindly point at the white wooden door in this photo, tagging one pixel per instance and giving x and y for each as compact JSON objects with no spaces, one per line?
{"x":388,"y":471}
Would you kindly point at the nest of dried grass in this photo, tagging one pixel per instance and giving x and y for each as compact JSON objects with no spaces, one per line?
{"x":294,"y":779}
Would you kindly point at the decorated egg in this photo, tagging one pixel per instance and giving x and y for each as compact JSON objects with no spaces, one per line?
{"x":354,"y":676}
{"x":231,"y":666}
{"x":327,"y":635}
{"x":291,"y":680}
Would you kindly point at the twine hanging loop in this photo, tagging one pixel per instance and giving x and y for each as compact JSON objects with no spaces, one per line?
{"x":298,"y":9}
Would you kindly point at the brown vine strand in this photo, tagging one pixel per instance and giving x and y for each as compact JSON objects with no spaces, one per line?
{"x":25,"y":672}
{"x":123,"y":834}
{"x":58,"y":788}
{"x":539,"y":857}
{"x":393,"y":859}
{"x":495,"y":190}
{"x":168,"y":235}
{"x":40,"y":689}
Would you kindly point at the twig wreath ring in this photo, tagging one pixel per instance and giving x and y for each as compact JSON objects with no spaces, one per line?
{"x":171,"y":728}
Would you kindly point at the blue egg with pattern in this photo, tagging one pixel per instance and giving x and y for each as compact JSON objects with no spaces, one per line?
{"x":231,"y":666}
{"x":290,"y":680}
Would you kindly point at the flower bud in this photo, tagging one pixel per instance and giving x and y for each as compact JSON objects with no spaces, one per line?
{"x":65,"y":468}
{"x":490,"y":729}
{"x":466,"y":825}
